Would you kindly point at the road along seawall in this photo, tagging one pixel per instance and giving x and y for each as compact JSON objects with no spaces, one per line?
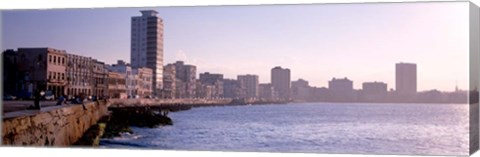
{"x":58,"y":127}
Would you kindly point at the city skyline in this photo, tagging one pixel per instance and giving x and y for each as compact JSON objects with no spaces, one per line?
{"x":316,"y":62}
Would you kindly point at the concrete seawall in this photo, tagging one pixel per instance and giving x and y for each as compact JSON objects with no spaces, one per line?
{"x":57,"y":126}
{"x":62,"y":126}
{"x":119,"y":103}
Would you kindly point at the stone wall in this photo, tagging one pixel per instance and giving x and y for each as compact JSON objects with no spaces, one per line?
{"x":165,"y":102}
{"x":57,"y":127}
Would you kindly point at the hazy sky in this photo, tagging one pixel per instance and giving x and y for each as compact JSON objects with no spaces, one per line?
{"x":317,"y":42}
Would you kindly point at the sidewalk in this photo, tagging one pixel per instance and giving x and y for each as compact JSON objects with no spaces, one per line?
{"x":13,"y":109}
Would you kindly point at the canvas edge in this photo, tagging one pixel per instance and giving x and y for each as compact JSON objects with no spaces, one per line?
{"x":474,"y":48}
{"x":1,"y":75}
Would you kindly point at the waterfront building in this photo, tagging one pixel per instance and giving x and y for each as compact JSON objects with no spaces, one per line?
{"x":43,"y":69}
{"x":267,"y":92}
{"x":147,"y":45}
{"x":301,"y":90}
{"x":250,"y":84}
{"x":123,"y":68}
{"x":34,"y":69}
{"x":13,"y":78}
{"x":138,"y":81}
{"x":116,"y":85}
{"x":280,"y":79}
{"x":214,"y":80}
{"x":204,"y":90}
{"x":341,"y":90}
{"x":232,"y":89}
{"x":169,"y":81}
{"x":79,"y":75}
{"x":143,"y":81}
{"x":186,"y":74}
{"x":100,"y":73}
{"x":320,"y":94}
{"x":374,"y":91}
{"x":406,"y":79}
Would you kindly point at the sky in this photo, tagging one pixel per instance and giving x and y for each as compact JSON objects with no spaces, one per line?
{"x":316,"y":42}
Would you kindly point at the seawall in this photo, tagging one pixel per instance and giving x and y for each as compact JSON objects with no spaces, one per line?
{"x":57,"y":126}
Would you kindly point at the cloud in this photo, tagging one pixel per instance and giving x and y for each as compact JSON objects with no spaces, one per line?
{"x":180,"y":55}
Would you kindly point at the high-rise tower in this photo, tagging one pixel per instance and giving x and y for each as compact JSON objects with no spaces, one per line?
{"x":147,"y":45}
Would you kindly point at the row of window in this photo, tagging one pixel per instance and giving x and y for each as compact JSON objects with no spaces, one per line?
{"x":56,"y":75}
{"x":56,"y":59}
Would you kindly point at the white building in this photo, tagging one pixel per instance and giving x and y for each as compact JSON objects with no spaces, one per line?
{"x":147,"y":45}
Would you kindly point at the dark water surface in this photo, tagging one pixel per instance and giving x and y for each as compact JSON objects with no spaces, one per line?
{"x":433,"y":129}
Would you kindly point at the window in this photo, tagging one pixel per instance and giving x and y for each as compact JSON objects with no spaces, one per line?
{"x":63,"y":76}
{"x":49,"y":75}
{"x":49,"y":58}
{"x":54,"y":59}
{"x":63,"y":60}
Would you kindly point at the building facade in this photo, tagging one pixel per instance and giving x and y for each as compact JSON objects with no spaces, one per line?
{"x":186,"y":76}
{"x":47,"y":68}
{"x":100,"y":73}
{"x":301,"y":90}
{"x":374,"y":91}
{"x":215,"y":81}
{"x":232,"y":89}
{"x":138,"y":81}
{"x":42,"y":69}
{"x":13,"y":78}
{"x":280,"y":79}
{"x":126,"y":70}
{"x":143,"y":82}
{"x":147,"y":45}
{"x":80,"y":75}
{"x":267,"y":92}
{"x":341,"y":90}
{"x":406,"y":79}
{"x":250,"y":84}
{"x":169,"y":81}
{"x":116,"y":85}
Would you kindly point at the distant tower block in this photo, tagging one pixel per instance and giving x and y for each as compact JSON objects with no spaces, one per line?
{"x":406,"y":78}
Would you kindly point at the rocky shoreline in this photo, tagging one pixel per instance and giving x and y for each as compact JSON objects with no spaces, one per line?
{"x":120,"y":120}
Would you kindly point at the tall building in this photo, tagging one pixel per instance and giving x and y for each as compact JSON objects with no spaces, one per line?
{"x":406,"y":79}
{"x":341,"y":89}
{"x":147,"y":45}
{"x":280,"y":79}
{"x":250,"y":84}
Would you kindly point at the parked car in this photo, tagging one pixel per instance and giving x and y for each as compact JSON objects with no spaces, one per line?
{"x":9,"y":97}
{"x":50,"y":97}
